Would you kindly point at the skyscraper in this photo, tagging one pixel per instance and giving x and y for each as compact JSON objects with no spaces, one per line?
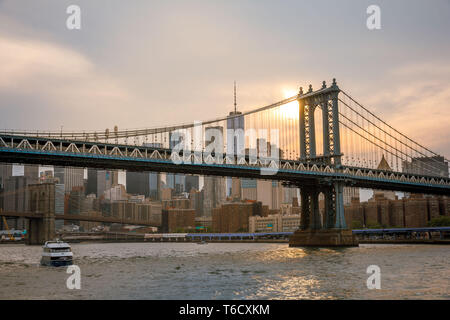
{"x":5,"y":173}
{"x":91,"y":187}
{"x":138,"y":183}
{"x":248,"y":187}
{"x":70,"y":177}
{"x":106,"y":179}
{"x":431,"y":166}
{"x":235,"y":123}
{"x":15,"y":199}
{"x":214,"y":188}
{"x":154,"y":185}
{"x":192,"y":182}
{"x":177,"y":182}
{"x":14,"y":181}
{"x":214,"y":194}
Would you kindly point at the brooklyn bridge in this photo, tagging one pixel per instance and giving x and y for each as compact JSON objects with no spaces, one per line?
{"x":320,"y":141}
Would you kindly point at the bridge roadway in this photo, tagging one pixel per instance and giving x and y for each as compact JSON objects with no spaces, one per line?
{"x":57,"y":152}
{"x":72,"y":217}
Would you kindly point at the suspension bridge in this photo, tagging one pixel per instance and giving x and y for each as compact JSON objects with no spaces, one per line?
{"x":318,"y":140}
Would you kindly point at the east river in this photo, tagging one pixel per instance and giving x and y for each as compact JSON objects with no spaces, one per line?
{"x":228,"y":271}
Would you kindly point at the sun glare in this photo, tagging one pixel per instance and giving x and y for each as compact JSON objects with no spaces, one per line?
{"x":289,"y":110}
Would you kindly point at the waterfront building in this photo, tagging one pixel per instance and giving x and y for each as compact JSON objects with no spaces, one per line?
{"x":178,"y":203}
{"x":411,"y":212}
{"x":203,"y":223}
{"x":233,"y":216}
{"x":175,"y":220}
{"x":274,"y":223}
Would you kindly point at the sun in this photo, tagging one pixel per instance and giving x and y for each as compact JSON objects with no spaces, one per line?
{"x":289,"y":110}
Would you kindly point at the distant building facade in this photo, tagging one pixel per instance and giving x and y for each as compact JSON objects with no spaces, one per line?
{"x":234,"y":216}
{"x":430,"y":166}
{"x":274,"y":223}
{"x":70,"y":177}
{"x":413,"y":212}
{"x":174,"y":220}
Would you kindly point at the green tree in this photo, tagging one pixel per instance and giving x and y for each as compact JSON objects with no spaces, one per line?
{"x":373,"y":225}
{"x":441,"y":221}
{"x":356,"y":224}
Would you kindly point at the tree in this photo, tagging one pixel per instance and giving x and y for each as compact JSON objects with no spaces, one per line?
{"x":373,"y":225}
{"x":441,"y":221}
{"x":356,"y":224}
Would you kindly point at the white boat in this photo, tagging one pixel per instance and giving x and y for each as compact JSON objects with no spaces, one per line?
{"x":56,"y":254}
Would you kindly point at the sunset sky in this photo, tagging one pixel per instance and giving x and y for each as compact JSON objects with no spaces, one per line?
{"x":142,"y":64}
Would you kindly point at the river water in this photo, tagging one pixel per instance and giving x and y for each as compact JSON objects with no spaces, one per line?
{"x":228,"y":271}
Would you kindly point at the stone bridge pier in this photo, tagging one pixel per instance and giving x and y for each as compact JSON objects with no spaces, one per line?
{"x":40,"y":230}
{"x":41,"y":222}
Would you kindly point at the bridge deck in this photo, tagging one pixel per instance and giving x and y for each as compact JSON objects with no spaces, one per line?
{"x":72,"y":217}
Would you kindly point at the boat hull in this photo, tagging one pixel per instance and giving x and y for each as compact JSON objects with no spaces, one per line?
{"x":56,"y":263}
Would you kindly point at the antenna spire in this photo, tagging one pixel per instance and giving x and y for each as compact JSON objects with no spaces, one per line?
{"x":235,"y":104}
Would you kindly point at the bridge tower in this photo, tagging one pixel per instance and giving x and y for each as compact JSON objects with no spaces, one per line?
{"x":331,"y":230}
{"x":42,"y":202}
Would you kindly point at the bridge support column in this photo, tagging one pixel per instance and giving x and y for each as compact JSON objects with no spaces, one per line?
{"x":310,"y":215}
{"x":40,"y":230}
{"x":329,"y":212}
{"x":315,"y":214}
{"x":333,"y":233}
{"x":339,"y":206}
{"x":305,"y":207}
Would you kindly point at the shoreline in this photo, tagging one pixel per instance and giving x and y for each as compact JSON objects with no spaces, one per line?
{"x":90,"y":240}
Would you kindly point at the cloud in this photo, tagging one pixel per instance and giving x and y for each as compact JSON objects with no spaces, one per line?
{"x":415,"y":102}
{"x":25,"y":60}
{"x":57,"y":79}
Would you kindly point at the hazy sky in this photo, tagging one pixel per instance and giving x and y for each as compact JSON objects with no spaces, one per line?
{"x":149,"y":63}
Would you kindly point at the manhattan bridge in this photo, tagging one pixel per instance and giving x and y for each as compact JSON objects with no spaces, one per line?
{"x":319,"y":141}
